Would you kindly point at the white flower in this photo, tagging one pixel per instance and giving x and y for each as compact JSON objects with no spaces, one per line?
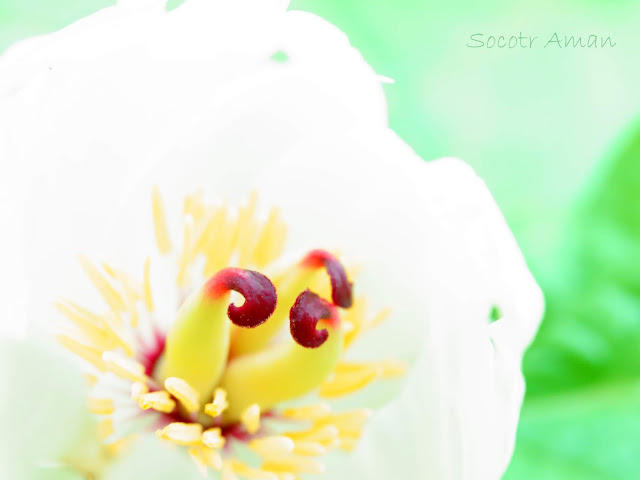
{"x":234,"y":97}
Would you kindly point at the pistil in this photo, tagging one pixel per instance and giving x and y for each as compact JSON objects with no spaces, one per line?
{"x":197,"y":344}
{"x":290,"y":368}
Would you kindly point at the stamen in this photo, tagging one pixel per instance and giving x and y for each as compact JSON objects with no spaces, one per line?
{"x":251,"y":418}
{"x":341,"y":288}
{"x":228,"y":471}
{"x":326,"y":435}
{"x":184,"y":392}
{"x":349,"y":382}
{"x":87,"y":352}
{"x":309,"y":449}
{"x":138,"y":389}
{"x":206,"y":457}
{"x":182,"y":433}
{"x":257,"y":290}
{"x":108,"y":292}
{"x":114,"y":326}
{"x":294,"y":464}
{"x":304,"y":316}
{"x":270,"y":243}
{"x":308,"y":412}
{"x":347,"y":423}
{"x":101,"y":406}
{"x":105,"y":428}
{"x":160,"y":222}
{"x":213,"y":438}
{"x":219,"y":403}
{"x":249,"y":473}
{"x":90,"y":324}
{"x":186,"y":256}
{"x":124,"y":367}
{"x":246,"y":230}
{"x":158,"y":401}
{"x":272,"y":446}
{"x":217,"y":242}
{"x":148,"y":297}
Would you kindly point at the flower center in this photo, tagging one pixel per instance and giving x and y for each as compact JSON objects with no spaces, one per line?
{"x":216,"y":372}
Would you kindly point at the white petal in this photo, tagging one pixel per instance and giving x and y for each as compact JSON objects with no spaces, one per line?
{"x":457,"y":417}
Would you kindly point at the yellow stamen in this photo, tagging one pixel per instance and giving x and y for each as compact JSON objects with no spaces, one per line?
{"x":148,"y":297}
{"x":218,"y":249}
{"x":346,"y":383}
{"x":138,"y":389}
{"x":113,"y":324}
{"x":270,"y":243}
{"x":294,"y":464}
{"x":196,"y":456}
{"x":208,"y":231}
{"x":347,"y":423}
{"x":272,"y":446}
{"x":131,"y":296}
{"x":124,"y":367}
{"x":310,"y":449}
{"x":245,"y":231}
{"x":158,"y":401}
{"x":91,"y":379}
{"x":249,"y":473}
{"x":90,"y":324}
{"x":182,"y":433}
{"x":357,"y":317}
{"x":213,"y":438}
{"x":101,"y":406}
{"x":391,"y":368}
{"x":187,"y":254}
{"x":104,"y":287}
{"x":348,"y":444}
{"x":308,"y":412}
{"x":326,"y":435}
{"x":194,"y":206}
{"x":250,"y":418}
{"x":105,"y":428}
{"x":206,"y":457}
{"x":227,"y":471}
{"x":185,"y":394}
{"x":219,"y":403}
{"x":160,"y":223}
{"x":116,"y":447}
{"x":82,"y":349}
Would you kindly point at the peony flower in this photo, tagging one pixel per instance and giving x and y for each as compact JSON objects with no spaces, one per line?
{"x":216,"y":216}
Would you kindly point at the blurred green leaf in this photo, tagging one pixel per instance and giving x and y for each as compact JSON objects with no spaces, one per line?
{"x":582,"y":414}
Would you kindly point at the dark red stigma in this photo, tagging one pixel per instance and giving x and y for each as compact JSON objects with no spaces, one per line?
{"x":341,"y":288}
{"x":260,"y":298}
{"x":304,"y":316}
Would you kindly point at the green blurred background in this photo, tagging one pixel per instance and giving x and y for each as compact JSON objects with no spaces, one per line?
{"x":553,"y":133}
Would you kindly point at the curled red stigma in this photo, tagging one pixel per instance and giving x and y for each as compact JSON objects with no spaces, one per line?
{"x":341,"y":288}
{"x":259,"y":294}
{"x":308,"y":309}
